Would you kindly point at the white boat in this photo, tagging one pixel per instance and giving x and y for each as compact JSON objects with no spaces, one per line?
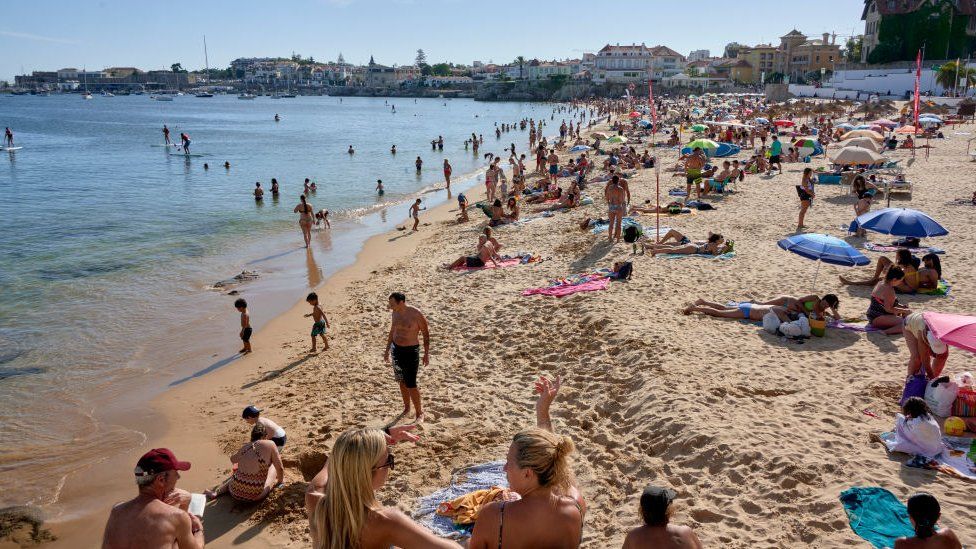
{"x":162,"y":97}
{"x":86,"y":96}
{"x":108,"y":94}
{"x":246,"y":96}
{"x":204,"y":94}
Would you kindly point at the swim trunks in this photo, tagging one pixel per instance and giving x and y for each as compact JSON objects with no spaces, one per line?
{"x":246,"y":334}
{"x":774,"y":159}
{"x":553,"y":169}
{"x":692,"y":175}
{"x":745,"y":309}
{"x":318,"y":328}
{"x":406,"y":362}
{"x":279,"y":441}
{"x":473,"y":262}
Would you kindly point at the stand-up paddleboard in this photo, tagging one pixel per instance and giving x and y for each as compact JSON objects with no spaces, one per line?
{"x":11,"y":149}
{"x":185,"y":154}
{"x":163,"y":145}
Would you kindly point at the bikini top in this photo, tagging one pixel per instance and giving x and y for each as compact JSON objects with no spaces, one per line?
{"x":501,"y":521}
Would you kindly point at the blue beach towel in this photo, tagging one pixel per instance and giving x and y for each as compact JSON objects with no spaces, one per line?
{"x":876,"y":515}
{"x":477,"y":477}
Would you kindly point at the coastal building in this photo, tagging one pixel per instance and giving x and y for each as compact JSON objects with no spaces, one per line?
{"x":665,"y":62}
{"x":698,"y":55}
{"x":741,"y":72}
{"x":634,"y":63}
{"x":380,"y":76}
{"x":796,"y":57}
{"x":761,"y":58}
{"x":950,"y":25}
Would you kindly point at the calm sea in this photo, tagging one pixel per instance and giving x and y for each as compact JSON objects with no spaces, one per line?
{"x":110,"y":245}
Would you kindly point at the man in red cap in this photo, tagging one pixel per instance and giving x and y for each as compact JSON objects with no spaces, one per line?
{"x":154,"y":519}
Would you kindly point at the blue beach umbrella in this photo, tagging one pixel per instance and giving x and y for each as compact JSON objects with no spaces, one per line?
{"x":645,"y":123}
{"x":581,"y":148}
{"x":901,"y":222}
{"x":823,"y":248}
{"x":761,"y":120}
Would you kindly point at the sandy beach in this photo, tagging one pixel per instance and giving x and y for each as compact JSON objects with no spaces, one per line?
{"x":757,"y":434}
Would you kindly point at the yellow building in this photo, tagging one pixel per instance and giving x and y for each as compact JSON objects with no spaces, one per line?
{"x":762,"y":60}
{"x":795,"y":57}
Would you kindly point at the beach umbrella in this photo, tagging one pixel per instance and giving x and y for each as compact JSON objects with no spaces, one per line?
{"x":704,"y":144}
{"x":761,"y":120}
{"x":617,"y":139}
{"x":885,"y":122}
{"x":699,"y":128}
{"x":823,"y":248}
{"x":857,"y":156}
{"x":599,"y":135}
{"x":930,"y":115}
{"x":784,"y":123}
{"x":901,"y":222}
{"x":863,"y":133}
{"x":845,"y":126}
{"x":635,"y":114}
{"x":956,"y":330}
{"x":864,"y":142}
{"x":645,"y":123}
{"x":581,"y":148}
{"x":909,"y":130}
{"x":806,"y":146}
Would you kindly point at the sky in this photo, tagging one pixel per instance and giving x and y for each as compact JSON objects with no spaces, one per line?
{"x":94,"y":34}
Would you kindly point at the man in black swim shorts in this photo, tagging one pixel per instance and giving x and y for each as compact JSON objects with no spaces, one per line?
{"x":403,"y":343}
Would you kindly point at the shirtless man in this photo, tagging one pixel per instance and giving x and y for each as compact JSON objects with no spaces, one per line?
{"x":657,"y":530}
{"x":157,"y":517}
{"x":693,"y":171}
{"x":405,"y":347}
{"x":166,"y":135}
{"x":553,"y":160}
{"x":616,"y":205}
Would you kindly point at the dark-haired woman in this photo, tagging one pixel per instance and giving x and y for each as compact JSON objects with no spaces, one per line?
{"x":884,"y":312}
{"x":905,"y":261}
{"x":305,"y":219}
{"x":924,"y":512}
{"x":806,"y":194}
{"x":930,"y":273}
{"x":808,"y":304}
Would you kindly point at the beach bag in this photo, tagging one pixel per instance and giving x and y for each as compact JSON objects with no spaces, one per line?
{"x":798,"y":328}
{"x":631,"y":233}
{"x":940,"y":394}
{"x":770,"y":322}
{"x":965,"y":403}
{"x":914,"y":386}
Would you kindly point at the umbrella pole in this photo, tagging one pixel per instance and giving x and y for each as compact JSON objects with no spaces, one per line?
{"x":657,"y":202}
{"x":815,"y":273}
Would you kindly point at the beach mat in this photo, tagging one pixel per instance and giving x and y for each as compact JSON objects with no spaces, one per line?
{"x":727,"y":255}
{"x":874,"y":247}
{"x":851,"y":327}
{"x":942,"y":289}
{"x":588,"y":283}
{"x":876,"y":515}
{"x":501,"y":265}
{"x":959,"y":466}
{"x":463,"y":481}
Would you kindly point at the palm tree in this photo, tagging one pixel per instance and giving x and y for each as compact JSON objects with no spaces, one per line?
{"x":521,"y":63}
{"x":946,"y":77}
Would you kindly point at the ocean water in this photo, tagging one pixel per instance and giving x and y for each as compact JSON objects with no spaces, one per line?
{"x":109,"y":245}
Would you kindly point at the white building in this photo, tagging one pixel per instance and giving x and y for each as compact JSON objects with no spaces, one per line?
{"x":634,"y":63}
{"x":698,"y":55}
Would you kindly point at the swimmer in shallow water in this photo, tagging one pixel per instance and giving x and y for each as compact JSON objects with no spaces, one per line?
{"x":379,"y":187}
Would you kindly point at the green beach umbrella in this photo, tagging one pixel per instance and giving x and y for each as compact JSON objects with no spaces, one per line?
{"x":703,"y":144}
{"x":617,"y":139}
{"x":699,"y":128}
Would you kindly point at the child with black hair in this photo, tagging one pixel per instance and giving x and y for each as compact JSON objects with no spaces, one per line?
{"x":917,"y":432}
{"x":241,"y":306}
{"x":657,"y":531}
{"x":320,"y":322}
{"x":924,"y":512}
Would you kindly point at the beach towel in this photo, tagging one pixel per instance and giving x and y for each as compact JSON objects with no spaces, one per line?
{"x":501,"y":265}
{"x":728,"y":255}
{"x":876,"y":515}
{"x":463,"y":481}
{"x":851,"y":327}
{"x":954,"y":461}
{"x":677,"y":192}
{"x":942,"y":289}
{"x":871,"y":246}
{"x":571,"y":285}
{"x":601,"y":225}
{"x":465,"y":509}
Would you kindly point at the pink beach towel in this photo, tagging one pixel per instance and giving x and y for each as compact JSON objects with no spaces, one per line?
{"x":561,"y":290}
{"x":851,"y":327}
{"x":501,"y":264}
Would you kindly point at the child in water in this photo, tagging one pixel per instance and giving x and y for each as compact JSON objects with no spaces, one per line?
{"x":320,"y":321}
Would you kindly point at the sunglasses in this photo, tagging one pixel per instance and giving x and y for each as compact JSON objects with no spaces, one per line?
{"x":390,"y":462}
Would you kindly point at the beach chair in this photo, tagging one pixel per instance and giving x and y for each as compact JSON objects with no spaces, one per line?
{"x":898,"y":187}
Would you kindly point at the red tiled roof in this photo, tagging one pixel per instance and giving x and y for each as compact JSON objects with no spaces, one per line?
{"x":899,"y":7}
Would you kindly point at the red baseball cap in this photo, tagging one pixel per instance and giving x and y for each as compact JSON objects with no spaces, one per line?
{"x":159,"y":460}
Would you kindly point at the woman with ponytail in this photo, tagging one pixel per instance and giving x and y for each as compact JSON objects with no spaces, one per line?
{"x":341,"y":500}
{"x":539,"y":469}
{"x":305,"y":219}
{"x":924,"y":512}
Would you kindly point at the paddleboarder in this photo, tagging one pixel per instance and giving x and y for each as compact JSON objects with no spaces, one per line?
{"x":166,"y":135}
{"x":8,"y":138}
{"x":185,"y":142}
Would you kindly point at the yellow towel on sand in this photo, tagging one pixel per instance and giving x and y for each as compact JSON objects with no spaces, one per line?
{"x":465,"y":509}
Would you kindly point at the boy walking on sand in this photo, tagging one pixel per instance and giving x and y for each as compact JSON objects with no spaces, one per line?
{"x":241,"y":306}
{"x":320,"y":321}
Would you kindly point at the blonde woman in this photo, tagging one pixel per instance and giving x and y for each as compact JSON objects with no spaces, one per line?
{"x":341,"y":500}
{"x":539,"y":468}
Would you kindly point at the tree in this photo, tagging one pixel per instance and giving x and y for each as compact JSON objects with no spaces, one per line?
{"x":520,"y":61}
{"x":732,"y":49}
{"x":421,"y":59}
{"x":946,"y":77}
{"x":853,"y":49}
{"x":440,"y":69}
{"x":176,"y":67}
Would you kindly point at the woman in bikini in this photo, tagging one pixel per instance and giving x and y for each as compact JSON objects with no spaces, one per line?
{"x":820,"y":307}
{"x":258,"y":471}
{"x":715,"y":245}
{"x":305,"y":219}
{"x":884,"y":312}
{"x":865,"y":191}
{"x":341,"y":500}
{"x":931,"y":272}
{"x":539,"y":469}
{"x":805,"y":191}
{"x":907,"y":264}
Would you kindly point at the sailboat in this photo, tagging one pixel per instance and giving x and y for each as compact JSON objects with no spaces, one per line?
{"x":206,"y":61}
{"x":87,"y":95}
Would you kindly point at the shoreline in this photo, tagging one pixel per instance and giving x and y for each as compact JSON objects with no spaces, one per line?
{"x":175,"y":403}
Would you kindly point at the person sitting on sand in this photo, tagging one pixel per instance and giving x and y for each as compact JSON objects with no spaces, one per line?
{"x":539,"y":469}
{"x":931,"y":272}
{"x":884,"y":312}
{"x":923,"y":347}
{"x":486,"y":252}
{"x":462,"y":208}
{"x":567,"y":200}
{"x":513,"y":209}
{"x":497,"y":213}
{"x":259,"y":469}
{"x":715,"y":245}
{"x":158,"y":516}
{"x":744,"y":310}
{"x":807,"y":305}
{"x":924,"y":512}
{"x":907,"y":263}
{"x":657,"y":531}
{"x":341,"y":502}
{"x":274,"y":432}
